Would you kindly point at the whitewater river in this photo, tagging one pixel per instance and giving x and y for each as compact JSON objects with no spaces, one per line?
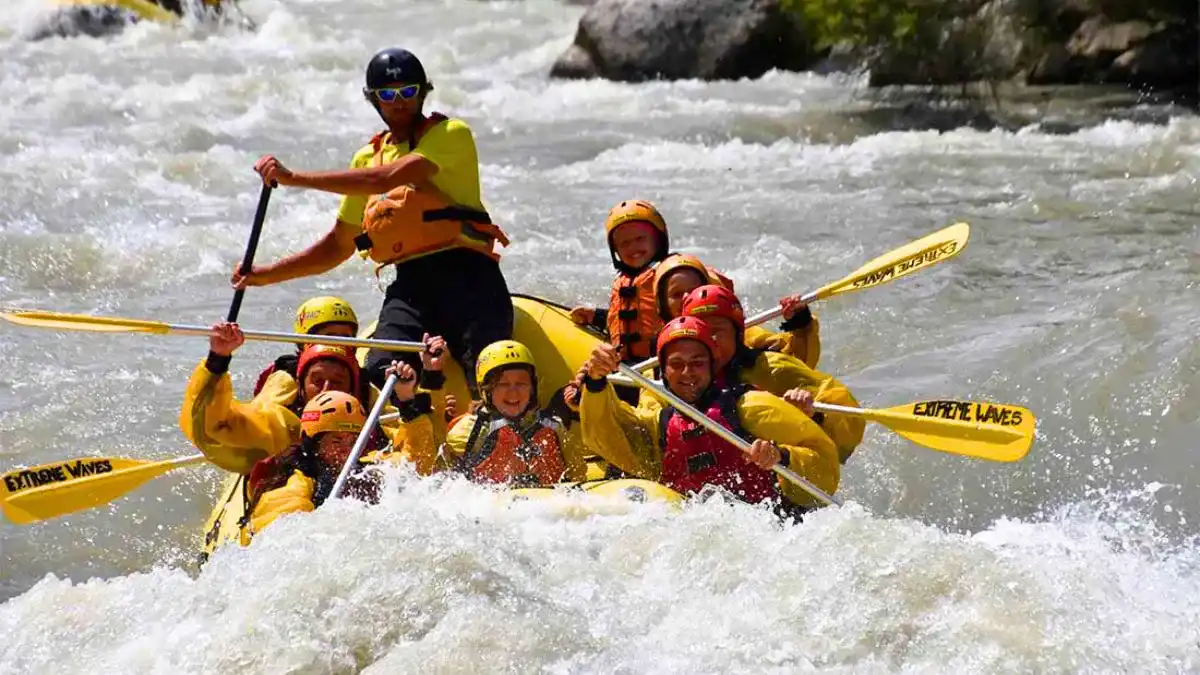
{"x":126,"y":189}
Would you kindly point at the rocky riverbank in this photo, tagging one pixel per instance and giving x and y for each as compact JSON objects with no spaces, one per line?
{"x":1150,"y":47}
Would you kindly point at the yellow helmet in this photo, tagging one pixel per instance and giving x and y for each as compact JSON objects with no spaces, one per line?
{"x":500,"y":354}
{"x":634,"y":209}
{"x":327,"y":309}
{"x":332,"y":411}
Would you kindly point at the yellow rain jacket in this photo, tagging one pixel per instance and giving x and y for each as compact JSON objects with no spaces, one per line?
{"x":415,"y":430}
{"x":800,"y":337}
{"x":630,"y":437}
{"x":296,"y":495}
{"x":777,"y":373}
{"x":235,"y":435}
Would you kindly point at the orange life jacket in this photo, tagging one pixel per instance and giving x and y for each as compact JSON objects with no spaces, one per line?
{"x":414,"y":220}
{"x":529,"y":457}
{"x":633,"y":321}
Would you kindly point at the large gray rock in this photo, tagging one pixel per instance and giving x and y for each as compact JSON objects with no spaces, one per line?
{"x":1103,"y":41}
{"x":1166,"y":58}
{"x":1057,"y":44}
{"x":637,"y":40}
{"x":1127,"y":52}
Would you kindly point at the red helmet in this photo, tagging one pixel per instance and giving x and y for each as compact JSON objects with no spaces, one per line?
{"x":342,"y":355}
{"x":713,"y":300}
{"x":686,"y":328}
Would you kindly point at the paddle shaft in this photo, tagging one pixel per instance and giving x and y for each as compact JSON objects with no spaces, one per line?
{"x":364,"y":435}
{"x":260,"y":215}
{"x":777,"y":311}
{"x":186,"y":461}
{"x":730,"y":437}
{"x":297,"y":338}
{"x":762,"y":317}
{"x":917,"y":255}
{"x":844,"y":409}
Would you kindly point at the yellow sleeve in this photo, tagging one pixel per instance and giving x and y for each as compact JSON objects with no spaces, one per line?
{"x":574,"y":452}
{"x":393,"y":428}
{"x":812,"y":454}
{"x":296,"y":495}
{"x":777,"y":373}
{"x":802,"y":343}
{"x":280,"y":388}
{"x":451,"y":146}
{"x":437,"y":419}
{"x":457,"y":436}
{"x":231,"y":434}
{"x":423,"y":446}
{"x":354,"y":206}
{"x":623,"y":435}
{"x":845,"y":430}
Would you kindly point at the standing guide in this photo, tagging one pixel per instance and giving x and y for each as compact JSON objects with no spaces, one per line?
{"x":411,"y":199}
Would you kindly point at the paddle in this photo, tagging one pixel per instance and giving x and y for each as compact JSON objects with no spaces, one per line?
{"x":713,"y":426}
{"x":361,"y":442}
{"x":916,"y":255}
{"x":103,"y":324}
{"x":53,"y":490}
{"x":260,"y":215}
{"x":997,"y":432}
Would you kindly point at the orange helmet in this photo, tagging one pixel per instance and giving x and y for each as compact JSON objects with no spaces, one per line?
{"x":714,"y":300}
{"x":686,"y":328}
{"x":314,"y":353}
{"x":332,"y":411}
{"x":632,"y":210}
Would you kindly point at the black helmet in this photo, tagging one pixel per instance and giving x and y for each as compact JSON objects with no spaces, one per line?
{"x":395,"y":66}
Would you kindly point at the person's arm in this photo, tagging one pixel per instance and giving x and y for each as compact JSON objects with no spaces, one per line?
{"x":367,"y":180}
{"x":327,"y":253}
{"x":613,"y":429}
{"x":371,"y":180}
{"x":809,"y":452}
{"x":231,"y":434}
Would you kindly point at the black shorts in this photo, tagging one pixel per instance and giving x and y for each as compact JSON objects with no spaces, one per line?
{"x":457,"y":294}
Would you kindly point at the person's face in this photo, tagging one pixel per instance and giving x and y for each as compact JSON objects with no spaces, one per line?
{"x":687,"y":369}
{"x":511,"y":392}
{"x":327,"y":375}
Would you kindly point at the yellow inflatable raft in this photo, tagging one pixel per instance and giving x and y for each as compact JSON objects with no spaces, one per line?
{"x":146,"y":10}
{"x":560,"y":348}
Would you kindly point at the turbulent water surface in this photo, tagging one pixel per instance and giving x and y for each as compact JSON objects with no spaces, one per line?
{"x":128,"y":191}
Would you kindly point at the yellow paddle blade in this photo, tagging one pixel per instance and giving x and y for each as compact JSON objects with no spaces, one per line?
{"x":97,"y":324}
{"x":993,"y":431}
{"x":930,"y":250}
{"x":52,"y":490}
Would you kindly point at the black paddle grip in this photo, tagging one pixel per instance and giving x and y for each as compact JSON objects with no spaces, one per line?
{"x":264,"y":198}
